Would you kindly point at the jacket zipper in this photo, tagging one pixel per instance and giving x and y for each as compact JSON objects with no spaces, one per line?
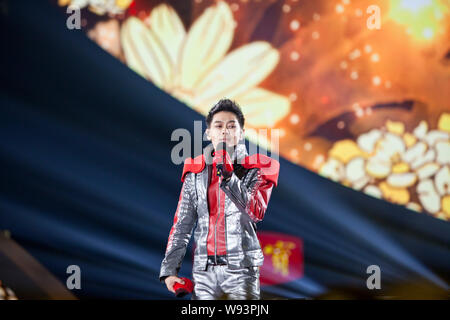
{"x":215,"y":227}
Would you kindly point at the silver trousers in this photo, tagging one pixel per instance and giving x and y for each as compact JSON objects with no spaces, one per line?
{"x":220,"y":282}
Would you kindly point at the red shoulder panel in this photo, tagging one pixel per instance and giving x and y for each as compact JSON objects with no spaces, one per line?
{"x":270,"y":168}
{"x":195,"y":165}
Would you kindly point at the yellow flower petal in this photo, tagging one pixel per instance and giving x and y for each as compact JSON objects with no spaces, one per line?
{"x":169,"y":30}
{"x":445,"y":204}
{"x":400,"y":167}
{"x":346,"y":183}
{"x":435,"y":136}
{"x":421,"y":130}
{"x":442,"y":216}
{"x":144,"y":53}
{"x":207,"y":42}
{"x":427,"y":170}
{"x":345,"y":150}
{"x":356,"y":174}
{"x":444,"y":122}
{"x":263,"y":108}
{"x":443,"y":152}
{"x":414,"y":206}
{"x":428,"y":157}
{"x":123,"y":4}
{"x":395,"y":195}
{"x":409,"y":139}
{"x":442,"y":181}
{"x":354,"y":169}
{"x":367,"y":141}
{"x":396,"y":127}
{"x":414,"y":152}
{"x":240,"y":71}
{"x":428,"y":196}
{"x":80,"y":3}
{"x":359,"y":184}
{"x":332,"y":169}
{"x":402,"y":180}
{"x":373,"y":191}
{"x":100,"y":10}
{"x":378,"y":167}
{"x":390,"y":146}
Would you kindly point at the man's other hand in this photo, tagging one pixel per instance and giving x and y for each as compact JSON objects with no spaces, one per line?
{"x":170,"y":281}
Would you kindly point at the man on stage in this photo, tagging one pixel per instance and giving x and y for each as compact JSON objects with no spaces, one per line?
{"x":224,"y":194}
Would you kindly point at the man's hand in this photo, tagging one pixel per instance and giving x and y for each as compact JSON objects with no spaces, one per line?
{"x":223,"y":161}
{"x":170,"y":281}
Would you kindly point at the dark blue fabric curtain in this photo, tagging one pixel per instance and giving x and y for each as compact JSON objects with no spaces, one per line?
{"x":87,"y":179}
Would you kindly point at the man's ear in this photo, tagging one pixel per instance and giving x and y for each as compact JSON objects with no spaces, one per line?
{"x":207,"y":134}
{"x":242,"y":134}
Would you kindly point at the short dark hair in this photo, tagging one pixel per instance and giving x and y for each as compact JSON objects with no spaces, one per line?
{"x":225,"y":105}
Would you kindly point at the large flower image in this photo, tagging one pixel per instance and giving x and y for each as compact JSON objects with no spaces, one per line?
{"x":411,"y":169}
{"x":196,"y":68}
{"x":330,"y":91}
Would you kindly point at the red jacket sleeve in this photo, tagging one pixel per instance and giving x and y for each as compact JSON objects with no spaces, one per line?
{"x":259,"y":199}
{"x":251,"y":194}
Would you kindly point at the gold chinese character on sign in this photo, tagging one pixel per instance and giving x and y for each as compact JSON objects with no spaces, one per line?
{"x":280,"y":253}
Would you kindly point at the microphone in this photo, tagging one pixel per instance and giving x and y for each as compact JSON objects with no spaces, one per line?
{"x":221,"y":146}
{"x":183,"y":289}
{"x":225,"y":164}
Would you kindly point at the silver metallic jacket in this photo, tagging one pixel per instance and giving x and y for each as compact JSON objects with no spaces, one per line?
{"x":247,"y":196}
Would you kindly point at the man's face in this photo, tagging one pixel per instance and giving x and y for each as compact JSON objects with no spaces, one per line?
{"x":225,"y":128}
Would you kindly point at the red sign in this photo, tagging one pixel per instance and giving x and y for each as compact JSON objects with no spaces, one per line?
{"x":283,"y":258}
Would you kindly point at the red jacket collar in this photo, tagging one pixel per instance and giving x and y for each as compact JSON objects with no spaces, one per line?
{"x":270,"y":168}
